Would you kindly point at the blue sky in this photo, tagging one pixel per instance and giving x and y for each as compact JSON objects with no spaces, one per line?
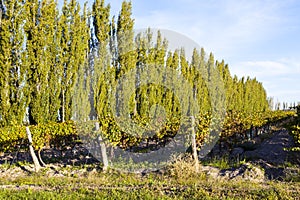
{"x":259,"y":38}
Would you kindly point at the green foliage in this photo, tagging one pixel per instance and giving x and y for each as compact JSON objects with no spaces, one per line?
{"x":81,"y":106}
{"x":67,"y":65}
{"x":296,"y":133}
{"x":50,"y":134}
{"x":102,"y":71}
{"x":13,"y":94}
{"x":295,"y":129}
{"x":237,"y":124}
{"x":39,"y":30}
{"x":11,"y":136}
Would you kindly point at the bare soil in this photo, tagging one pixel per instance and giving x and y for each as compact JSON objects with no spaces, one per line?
{"x":266,"y":152}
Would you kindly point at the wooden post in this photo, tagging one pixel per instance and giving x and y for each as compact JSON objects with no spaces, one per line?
{"x":37,"y":165}
{"x":194,"y":146}
{"x":103,"y":148}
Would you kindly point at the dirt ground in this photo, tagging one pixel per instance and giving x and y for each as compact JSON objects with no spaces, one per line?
{"x":267,"y":152}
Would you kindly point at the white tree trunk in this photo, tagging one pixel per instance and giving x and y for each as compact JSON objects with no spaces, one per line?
{"x":37,"y":165}
{"x":194,"y":146}
{"x":63,"y":107}
{"x":103,"y":148}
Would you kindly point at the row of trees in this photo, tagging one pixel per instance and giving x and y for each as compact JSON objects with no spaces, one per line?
{"x":41,"y":54}
{"x":73,"y":63}
{"x":281,"y":105}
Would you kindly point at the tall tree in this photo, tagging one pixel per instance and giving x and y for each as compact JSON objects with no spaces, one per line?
{"x":13,"y":75}
{"x":127,"y":56}
{"x":72,"y":54}
{"x":102,"y":71}
{"x":40,"y":31}
{"x":81,"y":106}
{"x":56,"y":69}
{"x":125,"y":37}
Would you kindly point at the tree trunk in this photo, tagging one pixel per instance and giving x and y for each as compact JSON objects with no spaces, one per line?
{"x":103,"y":148}
{"x":194,"y":146}
{"x":37,"y":165}
{"x":63,"y":107}
{"x":40,"y":157}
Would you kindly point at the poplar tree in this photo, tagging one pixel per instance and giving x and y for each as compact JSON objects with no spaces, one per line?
{"x":228,"y":84}
{"x":56,"y":69}
{"x":13,"y":75}
{"x":195,"y":79}
{"x":72,"y":54}
{"x":125,"y":37}
{"x":185,"y":76}
{"x":146,"y":95}
{"x":160,"y":51}
{"x":103,"y":74}
{"x":113,"y":43}
{"x":200,"y":76}
{"x":167,"y":94}
{"x":127,"y":56}
{"x":81,"y":106}
{"x":249,"y":97}
{"x":40,"y":31}
{"x":150,"y":70}
{"x":240,"y":95}
{"x":141,"y":67}
{"x":176,"y":68}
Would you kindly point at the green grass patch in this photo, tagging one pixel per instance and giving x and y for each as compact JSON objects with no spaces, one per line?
{"x":174,"y":184}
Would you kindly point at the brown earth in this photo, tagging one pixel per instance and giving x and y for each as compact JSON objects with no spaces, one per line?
{"x":265,"y":157}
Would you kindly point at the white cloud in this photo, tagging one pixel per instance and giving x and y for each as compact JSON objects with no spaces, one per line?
{"x":262,"y":69}
{"x":294,"y":64}
{"x":280,"y":78}
{"x":224,"y":27}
